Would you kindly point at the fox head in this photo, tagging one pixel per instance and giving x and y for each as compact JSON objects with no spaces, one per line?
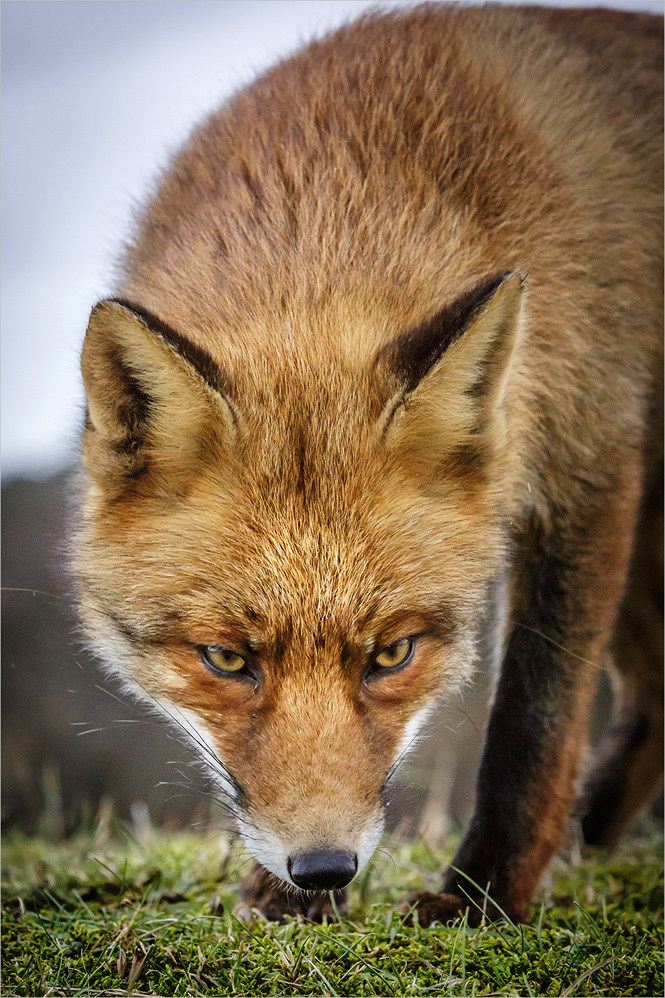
{"x":288,"y":552}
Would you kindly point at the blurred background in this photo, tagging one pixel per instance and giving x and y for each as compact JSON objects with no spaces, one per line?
{"x":95,"y":96}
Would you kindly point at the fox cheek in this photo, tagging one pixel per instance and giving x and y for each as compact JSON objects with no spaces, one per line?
{"x":412,"y":730}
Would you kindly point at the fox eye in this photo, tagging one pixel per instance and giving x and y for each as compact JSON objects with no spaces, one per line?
{"x":221,"y":660}
{"x":394,"y":656}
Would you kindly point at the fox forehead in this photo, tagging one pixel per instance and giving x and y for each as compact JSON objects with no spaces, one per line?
{"x":234,"y":561}
{"x":282,"y":588}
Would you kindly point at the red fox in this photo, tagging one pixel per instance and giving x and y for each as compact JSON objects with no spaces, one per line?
{"x":387,"y":342}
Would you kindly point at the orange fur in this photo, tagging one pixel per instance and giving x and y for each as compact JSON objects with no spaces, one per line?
{"x":387,"y":332}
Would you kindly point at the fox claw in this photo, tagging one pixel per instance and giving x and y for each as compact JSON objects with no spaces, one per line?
{"x":264,"y":894}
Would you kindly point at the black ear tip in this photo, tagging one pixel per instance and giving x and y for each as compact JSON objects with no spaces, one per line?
{"x":482,"y":293}
{"x":415,"y":352}
{"x":520,"y":274}
{"x":486,"y":290}
{"x":147,"y":318}
{"x":494,"y":281}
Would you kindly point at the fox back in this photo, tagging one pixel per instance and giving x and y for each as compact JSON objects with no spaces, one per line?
{"x":387,"y":328}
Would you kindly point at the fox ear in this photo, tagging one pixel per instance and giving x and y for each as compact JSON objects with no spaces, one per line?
{"x":451,"y":371}
{"x":151,"y":395}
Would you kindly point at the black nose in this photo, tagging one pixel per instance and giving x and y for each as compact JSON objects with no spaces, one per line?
{"x":322,"y":869}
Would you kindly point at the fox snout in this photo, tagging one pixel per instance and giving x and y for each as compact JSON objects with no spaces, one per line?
{"x":322,"y":859}
{"x":322,"y":869}
{"x":314,"y":793}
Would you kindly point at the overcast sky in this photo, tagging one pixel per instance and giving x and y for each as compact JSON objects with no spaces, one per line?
{"x":95,"y":93}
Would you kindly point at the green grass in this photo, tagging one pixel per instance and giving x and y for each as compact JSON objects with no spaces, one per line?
{"x":95,"y":917}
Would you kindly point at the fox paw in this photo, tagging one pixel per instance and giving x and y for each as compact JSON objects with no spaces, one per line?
{"x":264,"y":893}
{"x":443,"y":908}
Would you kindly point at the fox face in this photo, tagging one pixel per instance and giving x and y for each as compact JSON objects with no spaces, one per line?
{"x":290,"y":558}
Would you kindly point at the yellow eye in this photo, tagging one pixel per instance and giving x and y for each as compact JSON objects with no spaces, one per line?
{"x":398,"y":653}
{"x":222,"y":659}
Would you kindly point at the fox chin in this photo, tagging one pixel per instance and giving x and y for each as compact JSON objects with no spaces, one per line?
{"x":387,"y":340}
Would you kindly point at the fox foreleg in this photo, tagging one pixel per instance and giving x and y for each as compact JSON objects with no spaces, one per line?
{"x":569,"y":590}
{"x":262,"y":892}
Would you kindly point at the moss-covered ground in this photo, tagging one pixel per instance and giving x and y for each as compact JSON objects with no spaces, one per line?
{"x":114,"y":917}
